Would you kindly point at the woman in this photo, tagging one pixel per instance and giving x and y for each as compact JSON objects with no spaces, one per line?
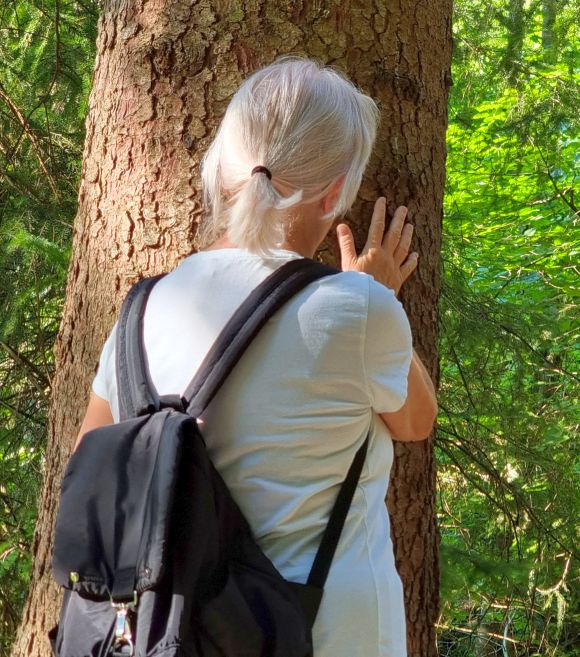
{"x":333,"y":364}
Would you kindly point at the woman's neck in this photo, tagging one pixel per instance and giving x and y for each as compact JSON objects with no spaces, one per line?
{"x":304,"y":235}
{"x":289,"y":244}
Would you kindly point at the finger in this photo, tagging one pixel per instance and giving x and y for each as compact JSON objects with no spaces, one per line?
{"x":348,"y":255}
{"x":405,"y":242}
{"x":409,"y":266}
{"x":377,"y":227}
{"x":393,"y":235}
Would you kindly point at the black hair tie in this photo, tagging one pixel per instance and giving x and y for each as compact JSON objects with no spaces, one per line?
{"x":261,"y":169}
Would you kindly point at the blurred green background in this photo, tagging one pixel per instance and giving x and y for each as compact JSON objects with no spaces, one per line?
{"x":508,"y":483}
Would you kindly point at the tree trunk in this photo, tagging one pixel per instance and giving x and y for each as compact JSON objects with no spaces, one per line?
{"x":549,"y":43}
{"x":164,"y":72}
{"x":515,"y":23}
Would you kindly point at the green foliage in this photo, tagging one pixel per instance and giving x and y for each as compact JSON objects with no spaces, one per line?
{"x":507,"y":438}
{"x":46,"y":59}
{"x":507,"y":450}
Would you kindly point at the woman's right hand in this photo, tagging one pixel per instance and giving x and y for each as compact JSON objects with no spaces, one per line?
{"x":387,"y":258}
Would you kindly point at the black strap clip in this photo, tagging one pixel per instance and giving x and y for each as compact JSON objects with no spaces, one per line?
{"x":176,"y":402}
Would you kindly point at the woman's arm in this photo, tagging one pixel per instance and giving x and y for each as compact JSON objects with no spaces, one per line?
{"x":386,"y":258}
{"x":415,"y":419}
{"x":97,"y":415}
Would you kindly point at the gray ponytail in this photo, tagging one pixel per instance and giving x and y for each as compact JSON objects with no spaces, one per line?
{"x":308,"y":125}
{"x":256,"y":216}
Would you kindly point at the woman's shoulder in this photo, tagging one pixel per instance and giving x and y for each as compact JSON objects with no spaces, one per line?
{"x":365,"y":287}
{"x":223,"y":265}
{"x":237,"y":271}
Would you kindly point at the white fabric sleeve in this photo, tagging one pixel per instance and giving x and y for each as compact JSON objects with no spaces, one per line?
{"x":388,"y":349}
{"x":106,"y":369}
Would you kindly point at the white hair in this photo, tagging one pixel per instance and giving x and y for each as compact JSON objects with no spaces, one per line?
{"x":309,"y":126}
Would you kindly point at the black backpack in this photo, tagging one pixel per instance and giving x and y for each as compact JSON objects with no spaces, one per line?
{"x":155,"y":557}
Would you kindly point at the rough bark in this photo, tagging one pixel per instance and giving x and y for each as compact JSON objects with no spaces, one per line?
{"x":164,"y":72}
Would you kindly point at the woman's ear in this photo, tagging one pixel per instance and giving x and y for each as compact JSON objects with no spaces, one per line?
{"x":331,"y":197}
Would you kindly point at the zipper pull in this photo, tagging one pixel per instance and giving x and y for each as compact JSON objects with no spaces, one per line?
{"x":123,"y":634}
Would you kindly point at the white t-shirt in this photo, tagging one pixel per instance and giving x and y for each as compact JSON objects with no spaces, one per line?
{"x":285,"y":426}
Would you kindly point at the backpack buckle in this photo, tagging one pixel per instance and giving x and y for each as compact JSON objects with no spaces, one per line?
{"x":177,"y":402}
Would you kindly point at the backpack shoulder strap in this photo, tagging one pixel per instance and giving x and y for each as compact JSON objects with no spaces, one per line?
{"x":331,"y":536}
{"x":136,"y":392}
{"x":310,"y":594}
{"x":244,"y":325}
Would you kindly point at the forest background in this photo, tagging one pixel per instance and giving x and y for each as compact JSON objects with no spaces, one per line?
{"x":506,"y":442}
